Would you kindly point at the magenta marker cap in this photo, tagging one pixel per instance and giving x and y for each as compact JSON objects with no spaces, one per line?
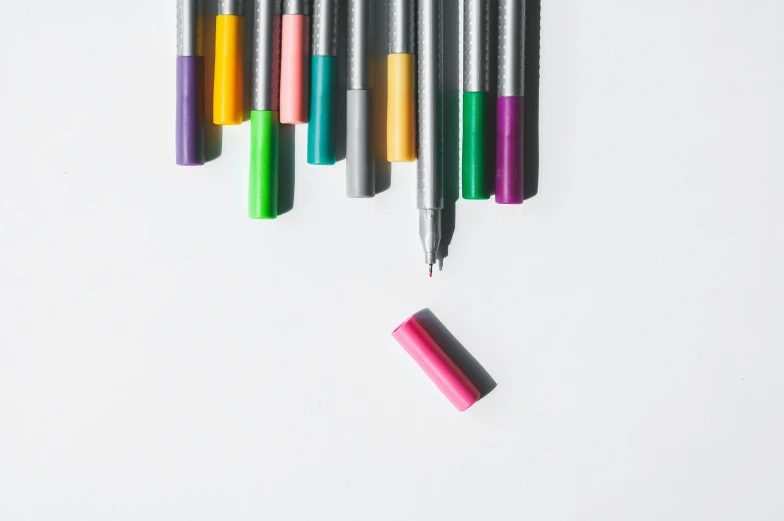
{"x":432,"y":359}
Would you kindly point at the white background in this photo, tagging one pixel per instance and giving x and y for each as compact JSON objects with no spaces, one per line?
{"x":164,"y":357}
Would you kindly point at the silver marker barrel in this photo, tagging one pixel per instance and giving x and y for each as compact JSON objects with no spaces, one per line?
{"x":476,"y":45}
{"x":430,"y":182}
{"x":511,"y":52}
{"x":360,"y":163}
{"x":265,"y":81}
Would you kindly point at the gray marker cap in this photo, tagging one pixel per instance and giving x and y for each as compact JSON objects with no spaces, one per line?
{"x":360,"y":162}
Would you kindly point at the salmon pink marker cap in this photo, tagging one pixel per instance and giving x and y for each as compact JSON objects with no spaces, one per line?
{"x":441,"y":370}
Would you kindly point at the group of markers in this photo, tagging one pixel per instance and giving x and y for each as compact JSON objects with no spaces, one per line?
{"x":294,"y":81}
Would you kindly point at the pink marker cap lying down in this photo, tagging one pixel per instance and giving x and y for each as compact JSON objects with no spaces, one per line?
{"x":432,"y":359}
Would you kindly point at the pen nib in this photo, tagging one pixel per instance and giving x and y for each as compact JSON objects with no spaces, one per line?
{"x":431,"y":270}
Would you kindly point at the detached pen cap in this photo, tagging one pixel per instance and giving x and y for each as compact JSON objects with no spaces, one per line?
{"x":432,"y":359}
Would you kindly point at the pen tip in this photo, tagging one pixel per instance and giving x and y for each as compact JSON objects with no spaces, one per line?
{"x":431,"y":270}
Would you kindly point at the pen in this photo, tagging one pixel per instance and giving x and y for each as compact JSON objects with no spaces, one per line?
{"x":229,"y":42}
{"x":264,"y":119}
{"x":294,"y":63}
{"x":190,"y":83}
{"x":509,"y":108}
{"x":477,"y":177}
{"x":323,"y":83}
{"x":360,"y":163}
{"x":401,"y":99}
{"x":430,"y":186}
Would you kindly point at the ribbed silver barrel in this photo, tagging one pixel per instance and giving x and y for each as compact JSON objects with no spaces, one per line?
{"x":511,"y":48}
{"x":232,"y":7}
{"x":360,"y":44}
{"x":266,"y":55}
{"x":476,"y":45}
{"x":402,"y":26}
{"x":430,"y":186}
{"x":190,"y":36}
{"x":294,"y":6}
{"x":325,"y":27}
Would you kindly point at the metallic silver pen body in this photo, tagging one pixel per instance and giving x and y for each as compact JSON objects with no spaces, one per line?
{"x":476,"y":45}
{"x":360,"y":162}
{"x":511,"y":48}
{"x":402,"y":35}
{"x":266,"y":55}
{"x":190,"y":35}
{"x":235,"y":7}
{"x":295,"y":6}
{"x":360,"y":44}
{"x":430,"y":182}
{"x":325,"y":24}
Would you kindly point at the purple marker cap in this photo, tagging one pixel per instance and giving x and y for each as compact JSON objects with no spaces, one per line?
{"x":509,"y":151}
{"x":190,"y":110}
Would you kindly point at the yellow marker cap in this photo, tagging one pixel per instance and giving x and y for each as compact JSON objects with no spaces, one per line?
{"x":401,"y":100}
{"x":229,"y":42}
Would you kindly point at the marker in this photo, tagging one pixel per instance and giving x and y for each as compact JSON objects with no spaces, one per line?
{"x":190,"y":83}
{"x":509,"y":108}
{"x":360,"y":162}
{"x":295,"y":62}
{"x":477,"y":176}
{"x":264,"y":119}
{"x":323,"y":83}
{"x":430,"y":182}
{"x":229,"y":42}
{"x":401,"y":98}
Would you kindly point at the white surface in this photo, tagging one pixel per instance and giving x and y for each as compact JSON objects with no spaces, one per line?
{"x":164,"y":357}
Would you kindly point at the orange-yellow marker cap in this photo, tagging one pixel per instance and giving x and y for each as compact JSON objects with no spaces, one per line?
{"x":401,"y":99}
{"x":229,"y":42}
